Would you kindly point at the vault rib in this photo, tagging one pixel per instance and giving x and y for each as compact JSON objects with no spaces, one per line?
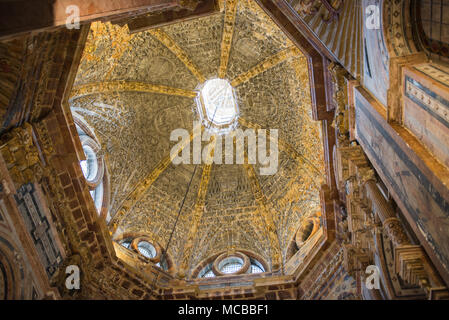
{"x":304,"y":164}
{"x":167,"y":41}
{"x":265,"y":65}
{"x":286,"y":147}
{"x":266,"y":212}
{"x":228,"y":32}
{"x":142,"y":187}
{"x":198,"y":211}
{"x":133,"y":86}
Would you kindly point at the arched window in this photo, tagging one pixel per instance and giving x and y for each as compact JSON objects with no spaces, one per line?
{"x":126,"y":243}
{"x":207,"y":272}
{"x":163,"y":264}
{"x":231,"y":264}
{"x":147,"y":249}
{"x":93,"y":167}
{"x":90,"y":165}
{"x":306,"y":231}
{"x":430,"y":29}
{"x":256,"y":266}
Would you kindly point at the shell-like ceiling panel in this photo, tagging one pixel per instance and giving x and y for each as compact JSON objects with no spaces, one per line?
{"x":133,"y":90}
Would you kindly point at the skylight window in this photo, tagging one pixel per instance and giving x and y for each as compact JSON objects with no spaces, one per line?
{"x":217,"y":104}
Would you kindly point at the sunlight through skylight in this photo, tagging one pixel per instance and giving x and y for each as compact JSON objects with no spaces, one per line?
{"x":219,"y":102}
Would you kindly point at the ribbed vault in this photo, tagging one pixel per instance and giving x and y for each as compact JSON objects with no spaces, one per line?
{"x":133,"y":90}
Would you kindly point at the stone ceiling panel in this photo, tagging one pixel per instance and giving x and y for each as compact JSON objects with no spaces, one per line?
{"x":111,"y":54}
{"x":155,"y":214}
{"x":225,"y":231}
{"x":133,"y":138}
{"x":256,"y":38}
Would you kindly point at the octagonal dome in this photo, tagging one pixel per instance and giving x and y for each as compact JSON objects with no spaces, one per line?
{"x":133,"y":90}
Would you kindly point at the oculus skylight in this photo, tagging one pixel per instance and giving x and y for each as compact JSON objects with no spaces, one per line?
{"x":217,"y":104}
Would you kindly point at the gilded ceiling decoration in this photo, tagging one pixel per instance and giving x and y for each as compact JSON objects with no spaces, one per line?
{"x":134,"y":90}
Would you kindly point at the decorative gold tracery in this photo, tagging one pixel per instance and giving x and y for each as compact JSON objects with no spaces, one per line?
{"x":265,"y":219}
{"x":117,"y":86}
{"x":265,"y":65}
{"x":230,"y":13}
{"x":178,"y":52}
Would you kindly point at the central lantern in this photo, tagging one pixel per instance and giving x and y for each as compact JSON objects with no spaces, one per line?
{"x":217,"y":105}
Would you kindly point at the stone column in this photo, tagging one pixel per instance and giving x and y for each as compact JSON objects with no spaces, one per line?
{"x":391,"y":224}
{"x":411,"y":264}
